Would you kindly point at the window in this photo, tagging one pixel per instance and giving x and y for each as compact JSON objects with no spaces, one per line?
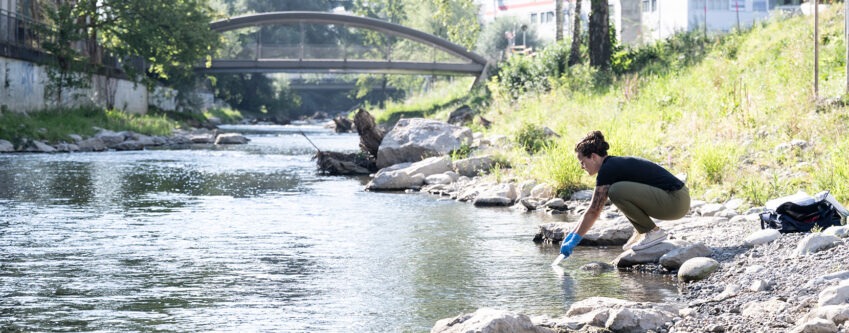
{"x":737,"y":5}
{"x":759,"y":6}
{"x":649,"y":6}
{"x":549,"y":17}
{"x":533,"y":18}
{"x":717,"y":4}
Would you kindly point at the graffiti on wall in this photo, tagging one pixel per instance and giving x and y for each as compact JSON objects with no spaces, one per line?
{"x":27,"y":78}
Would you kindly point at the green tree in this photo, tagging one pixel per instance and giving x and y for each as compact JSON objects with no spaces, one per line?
{"x":171,"y":36}
{"x":459,"y":19}
{"x":66,"y":70}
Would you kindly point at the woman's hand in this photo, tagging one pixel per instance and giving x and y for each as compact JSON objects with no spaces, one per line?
{"x":570,"y":242}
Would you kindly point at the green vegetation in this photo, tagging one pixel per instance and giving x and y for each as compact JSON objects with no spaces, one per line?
{"x":717,"y":111}
{"x":720,"y":111}
{"x":84,"y":121}
{"x":436,"y":103}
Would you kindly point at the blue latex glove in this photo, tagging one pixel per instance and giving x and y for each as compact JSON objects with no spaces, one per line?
{"x":569,"y":243}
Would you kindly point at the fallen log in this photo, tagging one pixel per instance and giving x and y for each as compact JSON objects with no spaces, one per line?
{"x":362,"y":163}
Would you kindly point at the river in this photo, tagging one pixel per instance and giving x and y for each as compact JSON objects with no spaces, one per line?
{"x":251,"y":238}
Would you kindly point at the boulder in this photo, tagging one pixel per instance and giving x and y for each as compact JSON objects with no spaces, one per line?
{"x":617,"y":315}
{"x":474,"y":166}
{"x":648,"y":255}
{"x":815,"y":242}
{"x":697,"y":269}
{"x":413,"y":139}
{"x":762,"y":237}
{"x":408,"y":175}
{"x":6,"y":146}
{"x":231,"y":139}
{"x":92,"y":144}
{"x":499,"y":195}
{"x":672,"y":260}
{"x":488,"y":321}
{"x":109,"y":138}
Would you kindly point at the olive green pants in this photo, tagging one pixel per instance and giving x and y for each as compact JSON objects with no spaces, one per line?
{"x":640,"y":203}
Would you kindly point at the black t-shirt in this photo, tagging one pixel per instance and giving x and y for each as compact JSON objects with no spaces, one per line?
{"x":634,"y":169}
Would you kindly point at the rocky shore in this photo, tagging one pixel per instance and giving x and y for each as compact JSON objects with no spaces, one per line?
{"x":748,"y":280}
{"x":109,"y":140}
{"x":732,"y":276}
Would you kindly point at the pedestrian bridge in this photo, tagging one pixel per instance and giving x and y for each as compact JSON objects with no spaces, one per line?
{"x":321,"y":42}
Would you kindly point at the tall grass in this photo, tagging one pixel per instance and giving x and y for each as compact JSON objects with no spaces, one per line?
{"x":437,"y":102}
{"x":722,"y":115}
{"x":55,"y":125}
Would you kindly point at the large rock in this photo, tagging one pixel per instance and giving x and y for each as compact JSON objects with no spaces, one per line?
{"x":617,"y":315}
{"x":92,"y":144}
{"x":498,"y":195}
{"x":231,"y":139}
{"x":408,"y":175}
{"x":413,"y":139}
{"x":6,"y":146}
{"x":675,"y":258}
{"x":697,"y":269}
{"x":648,"y":255}
{"x":474,"y":166}
{"x":488,"y":321}
{"x":109,"y":138}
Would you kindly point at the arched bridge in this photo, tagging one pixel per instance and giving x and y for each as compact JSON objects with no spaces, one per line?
{"x":347,"y":45}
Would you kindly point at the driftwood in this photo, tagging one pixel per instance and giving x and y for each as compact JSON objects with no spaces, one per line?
{"x":335,"y":163}
{"x":342,"y":124}
{"x":370,"y":135}
{"x":362,"y":163}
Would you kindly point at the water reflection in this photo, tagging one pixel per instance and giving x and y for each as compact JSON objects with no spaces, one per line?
{"x":251,"y":238}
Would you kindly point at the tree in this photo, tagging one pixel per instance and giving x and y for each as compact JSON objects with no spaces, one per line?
{"x":171,"y":36}
{"x":599,"y":43}
{"x":459,"y":19}
{"x":558,"y":20}
{"x":575,"y":50}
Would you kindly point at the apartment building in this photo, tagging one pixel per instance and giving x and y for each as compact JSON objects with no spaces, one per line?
{"x":639,"y":21}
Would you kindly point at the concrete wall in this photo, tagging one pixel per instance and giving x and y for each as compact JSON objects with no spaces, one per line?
{"x":22,"y":87}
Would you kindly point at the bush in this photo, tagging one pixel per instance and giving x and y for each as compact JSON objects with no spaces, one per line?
{"x":532,"y":138}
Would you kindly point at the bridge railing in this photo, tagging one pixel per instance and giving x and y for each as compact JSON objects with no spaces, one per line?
{"x":340,"y":52}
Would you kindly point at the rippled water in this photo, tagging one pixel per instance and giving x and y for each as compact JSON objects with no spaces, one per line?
{"x":250,"y":238}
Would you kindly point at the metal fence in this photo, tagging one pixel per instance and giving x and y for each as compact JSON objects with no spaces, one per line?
{"x":24,"y":38}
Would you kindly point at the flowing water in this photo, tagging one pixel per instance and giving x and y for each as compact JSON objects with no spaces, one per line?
{"x":251,"y":238}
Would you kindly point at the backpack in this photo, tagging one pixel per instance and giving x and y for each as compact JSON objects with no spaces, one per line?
{"x":793,"y":217}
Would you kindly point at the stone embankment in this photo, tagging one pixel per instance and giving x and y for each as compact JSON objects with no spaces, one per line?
{"x":732,"y":276}
{"x":108,"y":140}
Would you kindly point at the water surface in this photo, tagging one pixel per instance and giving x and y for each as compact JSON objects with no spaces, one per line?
{"x":251,"y":238}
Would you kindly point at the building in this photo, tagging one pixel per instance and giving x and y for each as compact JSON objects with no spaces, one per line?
{"x":639,"y":21}
{"x":540,"y":14}
{"x":662,"y":18}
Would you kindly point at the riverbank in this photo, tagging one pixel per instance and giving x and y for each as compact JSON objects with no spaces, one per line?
{"x":762,"y":283}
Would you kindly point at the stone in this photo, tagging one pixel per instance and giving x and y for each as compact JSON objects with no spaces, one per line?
{"x":473,"y":166}
{"x":6,"y":146}
{"x":413,"y":139}
{"x":815,"y":242}
{"x":835,"y":295}
{"x":762,"y":237}
{"x":231,"y":139}
{"x":672,"y":260}
{"x":488,"y":321}
{"x":697,"y":269}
